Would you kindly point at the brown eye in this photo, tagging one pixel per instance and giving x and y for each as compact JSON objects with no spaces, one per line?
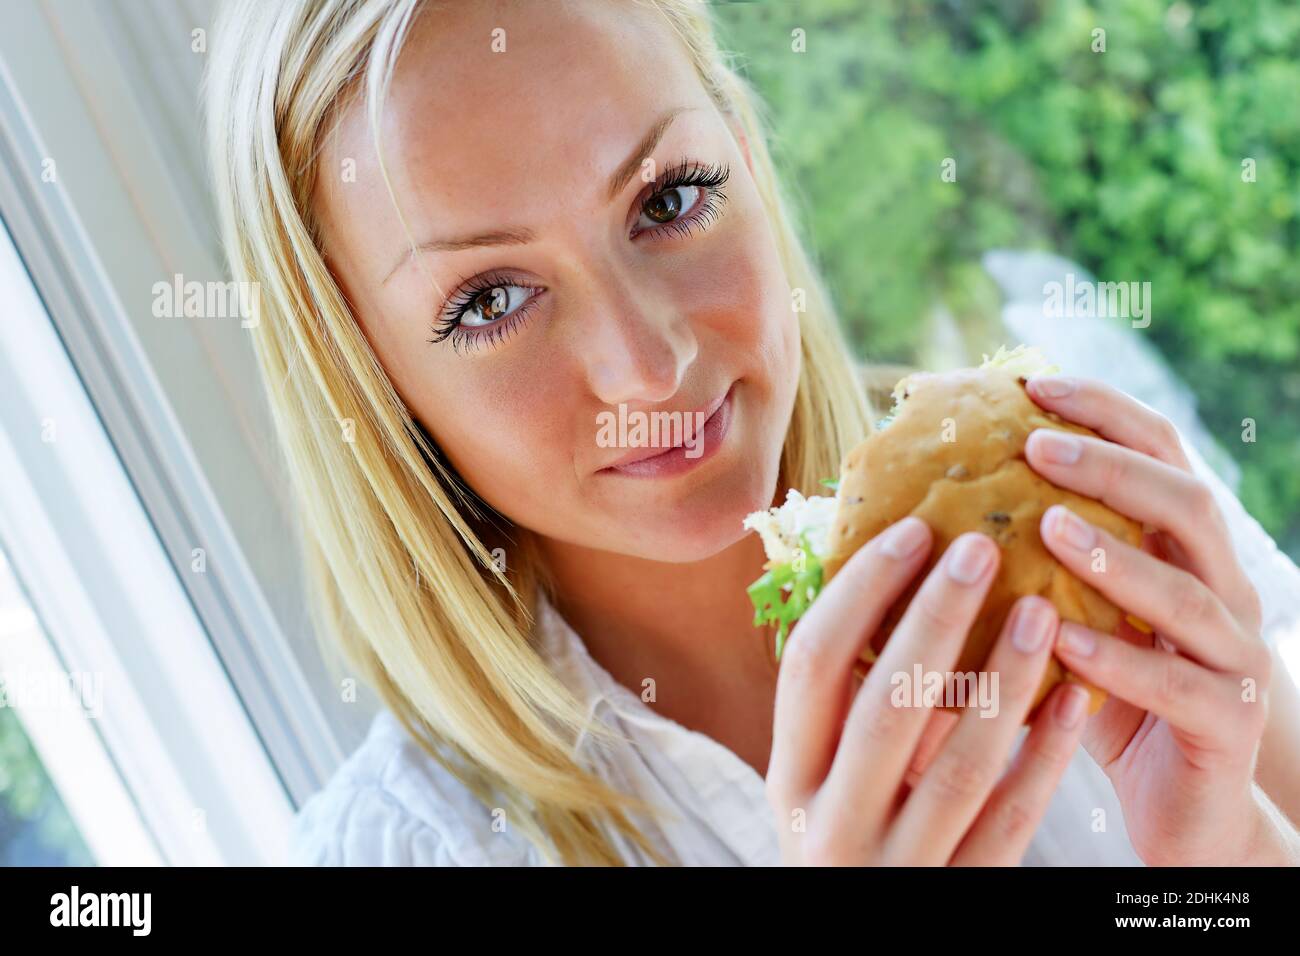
{"x":689,"y":196}
{"x":483,"y":311}
{"x":492,"y":303}
{"x":666,"y":206}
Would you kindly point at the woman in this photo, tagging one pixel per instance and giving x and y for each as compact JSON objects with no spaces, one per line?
{"x":482,"y":228}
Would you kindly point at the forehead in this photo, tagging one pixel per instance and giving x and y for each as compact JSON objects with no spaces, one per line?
{"x":474,"y":133}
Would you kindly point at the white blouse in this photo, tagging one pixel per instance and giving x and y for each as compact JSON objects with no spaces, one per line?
{"x":389,"y":804}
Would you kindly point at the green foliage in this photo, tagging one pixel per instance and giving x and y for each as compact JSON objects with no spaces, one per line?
{"x":28,"y":801}
{"x":1129,"y":161}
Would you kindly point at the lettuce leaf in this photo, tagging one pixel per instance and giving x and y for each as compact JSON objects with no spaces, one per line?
{"x":782,"y":594}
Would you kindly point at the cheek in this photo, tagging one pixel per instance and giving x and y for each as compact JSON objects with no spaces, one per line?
{"x":740,"y":294}
{"x":504,"y":428}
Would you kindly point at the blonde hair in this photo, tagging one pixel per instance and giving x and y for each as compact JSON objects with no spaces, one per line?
{"x":388,"y":532}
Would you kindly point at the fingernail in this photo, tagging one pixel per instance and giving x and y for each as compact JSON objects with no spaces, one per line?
{"x":903,"y":539}
{"x":1060,"y":448}
{"x":1077,"y":640}
{"x":1070,"y":529}
{"x":1029,"y":630}
{"x":1070,"y":708}
{"x":1052,"y":386}
{"x":968,"y":559}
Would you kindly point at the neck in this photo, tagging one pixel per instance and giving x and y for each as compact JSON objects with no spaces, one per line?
{"x":696,"y":614}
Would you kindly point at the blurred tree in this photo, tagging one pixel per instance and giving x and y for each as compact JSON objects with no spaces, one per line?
{"x":35,"y":828}
{"x":1171,"y":157}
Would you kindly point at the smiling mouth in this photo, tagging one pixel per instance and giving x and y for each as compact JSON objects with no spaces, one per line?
{"x":657,"y":462}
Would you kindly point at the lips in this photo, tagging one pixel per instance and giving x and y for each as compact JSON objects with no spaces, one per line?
{"x":663,"y":460}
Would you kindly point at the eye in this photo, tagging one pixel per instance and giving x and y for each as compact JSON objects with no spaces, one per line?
{"x":483,"y":310}
{"x":667,"y":205}
{"x":688,"y":195}
{"x":493,"y":305}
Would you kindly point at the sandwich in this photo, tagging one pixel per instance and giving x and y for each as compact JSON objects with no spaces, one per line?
{"x":951,"y":452}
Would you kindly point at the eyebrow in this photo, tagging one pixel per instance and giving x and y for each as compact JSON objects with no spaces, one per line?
{"x":519,"y":236}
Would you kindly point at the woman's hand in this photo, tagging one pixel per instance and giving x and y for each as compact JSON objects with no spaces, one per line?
{"x":843,"y":777}
{"x":1178,"y":736}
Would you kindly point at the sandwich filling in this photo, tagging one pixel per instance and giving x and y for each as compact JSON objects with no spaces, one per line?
{"x":795,"y":535}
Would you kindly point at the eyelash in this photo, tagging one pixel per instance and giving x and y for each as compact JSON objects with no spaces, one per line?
{"x":449,"y":324}
{"x":710,"y":177}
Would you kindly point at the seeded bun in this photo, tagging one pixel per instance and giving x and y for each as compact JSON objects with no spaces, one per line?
{"x":954,"y":456}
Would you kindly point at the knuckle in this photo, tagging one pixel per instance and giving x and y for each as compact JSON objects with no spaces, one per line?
{"x":1013,"y":818}
{"x":958,"y":776}
{"x":1048,"y":757}
{"x":1261,"y":710}
{"x":1264,"y":666}
{"x":1019,"y":675}
{"x":938,"y":611}
{"x":1244,"y":718}
{"x":1166,"y":435}
{"x":1254,"y":609}
{"x":882,"y":722}
{"x":1176,"y":680}
{"x":1201,"y":504}
{"x":1260,"y":664}
{"x":1254,"y":720}
{"x":1018,"y":683}
{"x":805,"y":661}
{"x":1190,"y":599}
{"x":1114,"y":470}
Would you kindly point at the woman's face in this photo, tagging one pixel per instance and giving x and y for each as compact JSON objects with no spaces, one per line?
{"x":592,"y":252}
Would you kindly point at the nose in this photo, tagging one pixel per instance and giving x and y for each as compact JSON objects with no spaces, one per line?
{"x":637,"y":347}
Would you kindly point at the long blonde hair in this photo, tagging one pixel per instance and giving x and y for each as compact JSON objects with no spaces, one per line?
{"x":398,"y":553}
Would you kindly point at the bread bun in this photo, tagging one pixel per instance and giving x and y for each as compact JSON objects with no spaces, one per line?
{"x":954,"y":456}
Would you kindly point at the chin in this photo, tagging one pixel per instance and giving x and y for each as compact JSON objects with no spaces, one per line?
{"x":708,"y":522}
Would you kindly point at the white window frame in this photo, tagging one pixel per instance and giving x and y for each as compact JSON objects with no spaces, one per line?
{"x":111,"y":602}
{"x":108,"y":90}
{"x":65,"y":739}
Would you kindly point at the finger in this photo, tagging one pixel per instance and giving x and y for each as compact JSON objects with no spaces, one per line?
{"x":879,"y":737}
{"x":1111,"y":414}
{"x":1001,"y":833}
{"x":1180,"y":607}
{"x":950,"y":794}
{"x":1203,"y":704}
{"x":1150,"y":491}
{"x":936,"y":731}
{"x":816,"y":666}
